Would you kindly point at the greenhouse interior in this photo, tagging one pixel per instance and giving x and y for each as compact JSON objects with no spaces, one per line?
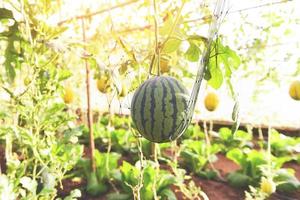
{"x":149,"y":100}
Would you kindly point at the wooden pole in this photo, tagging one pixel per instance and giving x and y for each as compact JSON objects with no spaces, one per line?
{"x":89,"y":112}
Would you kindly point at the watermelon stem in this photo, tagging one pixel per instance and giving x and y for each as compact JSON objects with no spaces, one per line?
{"x":151,"y":65}
{"x":157,"y":51}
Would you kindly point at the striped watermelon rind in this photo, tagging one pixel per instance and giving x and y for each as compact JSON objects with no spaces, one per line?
{"x":158,"y":109}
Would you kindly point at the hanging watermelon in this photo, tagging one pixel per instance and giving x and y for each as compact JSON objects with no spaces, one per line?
{"x":158,"y":108}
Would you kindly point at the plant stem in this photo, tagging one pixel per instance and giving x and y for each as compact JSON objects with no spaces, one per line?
{"x":174,"y":24}
{"x":89,"y":113}
{"x":176,"y":21}
{"x":136,"y":193}
{"x":110,"y":125}
{"x":157,"y":51}
{"x":269,"y":149}
{"x":208,"y":147}
{"x":28,"y":29}
{"x":156,"y":171}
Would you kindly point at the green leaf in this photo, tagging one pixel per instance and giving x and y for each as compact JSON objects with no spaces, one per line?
{"x":225,"y":133}
{"x":243,"y":135}
{"x":116,"y":175}
{"x":13,"y":56}
{"x":229,"y":59}
{"x":167,"y":194}
{"x":118,"y":196}
{"x":165,"y":181}
{"x":147,"y":193}
{"x":216,"y":79}
{"x":256,"y":158}
{"x":194,"y":154}
{"x":193,"y":53}
{"x":279,"y":161}
{"x":167,"y":25}
{"x":94,"y":187}
{"x":57,"y":31}
{"x":102,"y":161}
{"x":104,"y":120}
{"x":29,"y":184}
{"x":197,"y":38}
{"x":233,"y":59}
{"x":11,"y":59}
{"x":129,"y":173}
{"x":146,"y":147}
{"x":222,"y":62}
{"x":237,"y":156}
{"x":3,"y":114}
{"x":49,"y":179}
{"x":5,"y":14}
{"x":166,"y":29}
{"x":127,"y":49}
{"x":237,"y":179}
{"x":74,"y":194}
{"x":286,"y":181}
{"x":171,"y":45}
{"x":210,"y":174}
{"x":53,"y":115}
{"x":289,"y":186}
{"x":64,"y":74}
{"x":149,"y":174}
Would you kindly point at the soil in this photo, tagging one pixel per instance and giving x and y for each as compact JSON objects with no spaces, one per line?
{"x":218,"y":190}
{"x":224,"y":165}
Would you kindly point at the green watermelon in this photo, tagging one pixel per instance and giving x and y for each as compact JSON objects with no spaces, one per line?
{"x":158,"y":109}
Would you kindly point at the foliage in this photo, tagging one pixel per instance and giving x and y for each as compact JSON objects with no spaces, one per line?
{"x":222,"y":63}
{"x":281,"y":180}
{"x":193,"y":132}
{"x":286,"y":180}
{"x":284,"y":146}
{"x":41,"y":145}
{"x":196,"y":155}
{"x":130,"y":177}
{"x":38,"y":161}
{"x":6,"y":188}
{"x":251,"y":163}
{"x":106,"y":166}
{"x":228,"y":141}
{"x":116,"y":130}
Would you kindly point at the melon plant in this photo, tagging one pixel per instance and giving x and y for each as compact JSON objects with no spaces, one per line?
{"x":158,"y":109}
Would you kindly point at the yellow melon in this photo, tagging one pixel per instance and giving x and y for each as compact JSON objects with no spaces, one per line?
{"x":68,"y":95}
{"x":211,"y":101}
{"x":294,"y":90}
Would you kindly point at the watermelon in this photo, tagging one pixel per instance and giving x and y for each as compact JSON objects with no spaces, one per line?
{"x":158,"y":109}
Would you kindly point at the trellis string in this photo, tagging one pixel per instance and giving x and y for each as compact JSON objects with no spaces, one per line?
{"x":217,"y":18}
